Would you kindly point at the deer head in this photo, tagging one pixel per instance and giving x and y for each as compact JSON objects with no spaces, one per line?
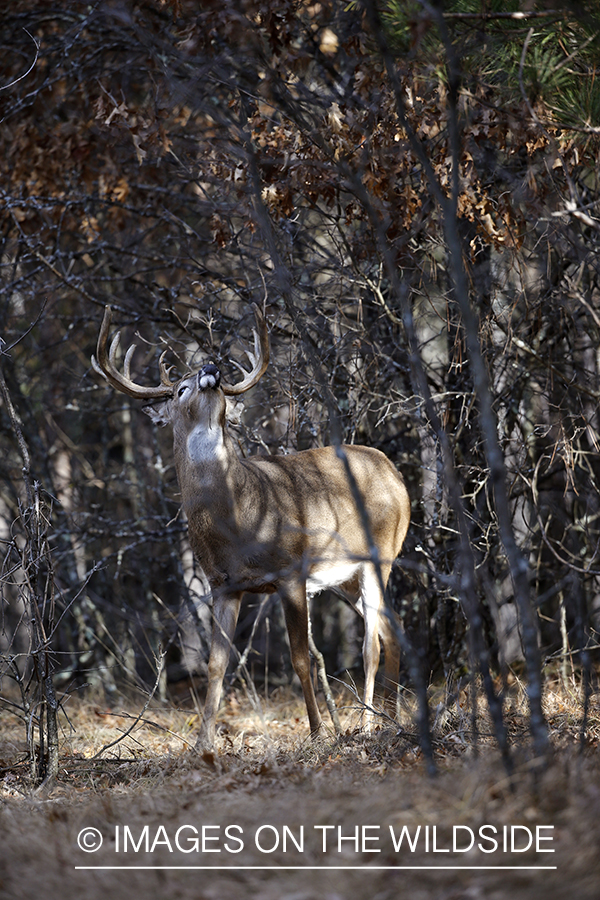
{"x":196,"y":403}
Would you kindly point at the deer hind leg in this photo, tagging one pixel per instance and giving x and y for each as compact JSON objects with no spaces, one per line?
{"x":391,"y":650}
{"x":371,"y":607}
{"x":225,"y":615}
{"x":378,"y":630}
{"x":295,"y":608}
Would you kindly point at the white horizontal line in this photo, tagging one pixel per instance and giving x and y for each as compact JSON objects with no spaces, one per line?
{"x":329,"y":868}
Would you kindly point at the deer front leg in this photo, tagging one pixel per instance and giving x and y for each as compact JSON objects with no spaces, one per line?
{"x":295,"y":609}
{"x":225,"y":615}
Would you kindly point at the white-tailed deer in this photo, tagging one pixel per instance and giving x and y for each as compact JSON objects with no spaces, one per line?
{"x":285,"y":524}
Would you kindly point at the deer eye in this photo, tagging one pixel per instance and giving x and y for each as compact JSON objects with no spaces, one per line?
{"x":182,"y":390}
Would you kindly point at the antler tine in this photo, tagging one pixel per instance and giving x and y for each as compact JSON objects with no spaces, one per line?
{"x":106,"y":365}
{"x":165,"y":371}
{"x":253,"y":356}
{"x":259,"y":357}
{"x":127,"y":362}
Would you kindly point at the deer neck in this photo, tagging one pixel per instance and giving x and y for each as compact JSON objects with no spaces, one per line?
{"x":208,"y":468}
{"x":206,"y":448}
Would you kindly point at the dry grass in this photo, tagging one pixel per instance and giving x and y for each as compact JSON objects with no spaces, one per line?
{"x":268,"y":773}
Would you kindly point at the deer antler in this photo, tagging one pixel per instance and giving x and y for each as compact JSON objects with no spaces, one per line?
{"x":106,"y":366}
{"x":259,"y":358}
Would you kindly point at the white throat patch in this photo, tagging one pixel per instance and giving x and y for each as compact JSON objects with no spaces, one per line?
{"x":205,"y":444}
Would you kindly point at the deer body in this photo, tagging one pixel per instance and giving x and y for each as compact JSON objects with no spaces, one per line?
{"x":285,"y":524}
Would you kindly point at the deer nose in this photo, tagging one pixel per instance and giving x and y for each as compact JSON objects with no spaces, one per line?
{"x":209,"y":377}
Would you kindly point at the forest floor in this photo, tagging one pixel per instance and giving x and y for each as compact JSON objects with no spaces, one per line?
{"x":275,"y":815}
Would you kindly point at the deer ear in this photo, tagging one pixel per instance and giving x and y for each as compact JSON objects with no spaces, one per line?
{"x":233,"y":410}
{"x":161,"y":414}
